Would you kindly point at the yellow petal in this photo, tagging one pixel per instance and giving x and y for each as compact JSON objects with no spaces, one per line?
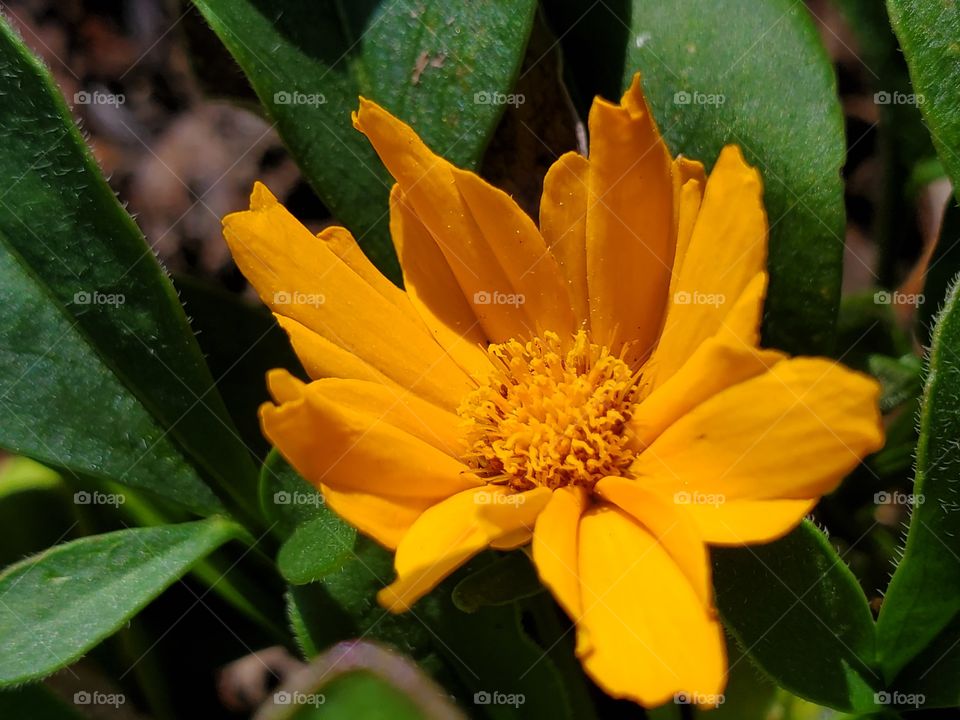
{"x":742,"y":522}
{"x":494,"y":250}
{"x":384,"y":518}
{"x":300,"y":277}
{"x":555,"y":546}
{"x":450,"y":533}
{"x":322,"y":358}
{"x":341,"y":242}
{"x":669,"y":524}
{"x":394,"y":406}
{"x":727,"y":249}
{"x":563,"y":223}
{"x":630,"y":242}
{"x":688,"y":183}
{"x":648,"y":635}
{"x":719,"y":363}
{"x":364,"y":448}
{"x":434,"y":292}
{"x":793,"y":432}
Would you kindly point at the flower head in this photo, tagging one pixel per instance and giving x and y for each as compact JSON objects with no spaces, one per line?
{"x":592,"y":387}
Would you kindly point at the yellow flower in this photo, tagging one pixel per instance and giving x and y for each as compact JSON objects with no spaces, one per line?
{"x":593,"y":388}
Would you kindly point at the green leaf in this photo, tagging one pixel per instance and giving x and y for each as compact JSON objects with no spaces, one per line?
{"x":65,"y":406}
{"x":924,"y":594}
{"x":360,"y":679}
{"x":62,"y":602}
{"x":943,"y":267}
{"x":35,"y":702}
{"x":900,"y":378}
{"x":285,"y":497}
{"x":502,"y":582}
{"x":91,"y":325}
{"x":799,"y":613}
{"x":691,"y":54}
{"x":425,"y":60}
{"x":315,"y":549}
{"x":932,"y":674}
{"x":360,"y":695}
{"x":929,"y":33}
{"x":240,"y":343}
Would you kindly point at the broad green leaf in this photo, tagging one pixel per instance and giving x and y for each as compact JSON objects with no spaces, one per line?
{"x":502,"y":582}
{"x":93,"y":300}
{"x":929,"y":33}
{"x":714,"y":73}
{"x":924,"y":594}
{"x":900,"y":378}
{"x":932,"y":675}
{"x":356,"y":695}
{"x":62,"y":602}
{"x":285,"y":497}
{"x":35,"y":509}
{"x":315,"y":549}
{"x":903,"y":143}
{"x":37,"y":703}
{"x":64,"y":405}
{"x":360,"y":679}
{"x":943,"y":267}
{"x":240,"y":343}
{"x":445,"y":68}
{"x":799,"y":613}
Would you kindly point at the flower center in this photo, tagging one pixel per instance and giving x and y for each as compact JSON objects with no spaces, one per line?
{"x":550,"y":417}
